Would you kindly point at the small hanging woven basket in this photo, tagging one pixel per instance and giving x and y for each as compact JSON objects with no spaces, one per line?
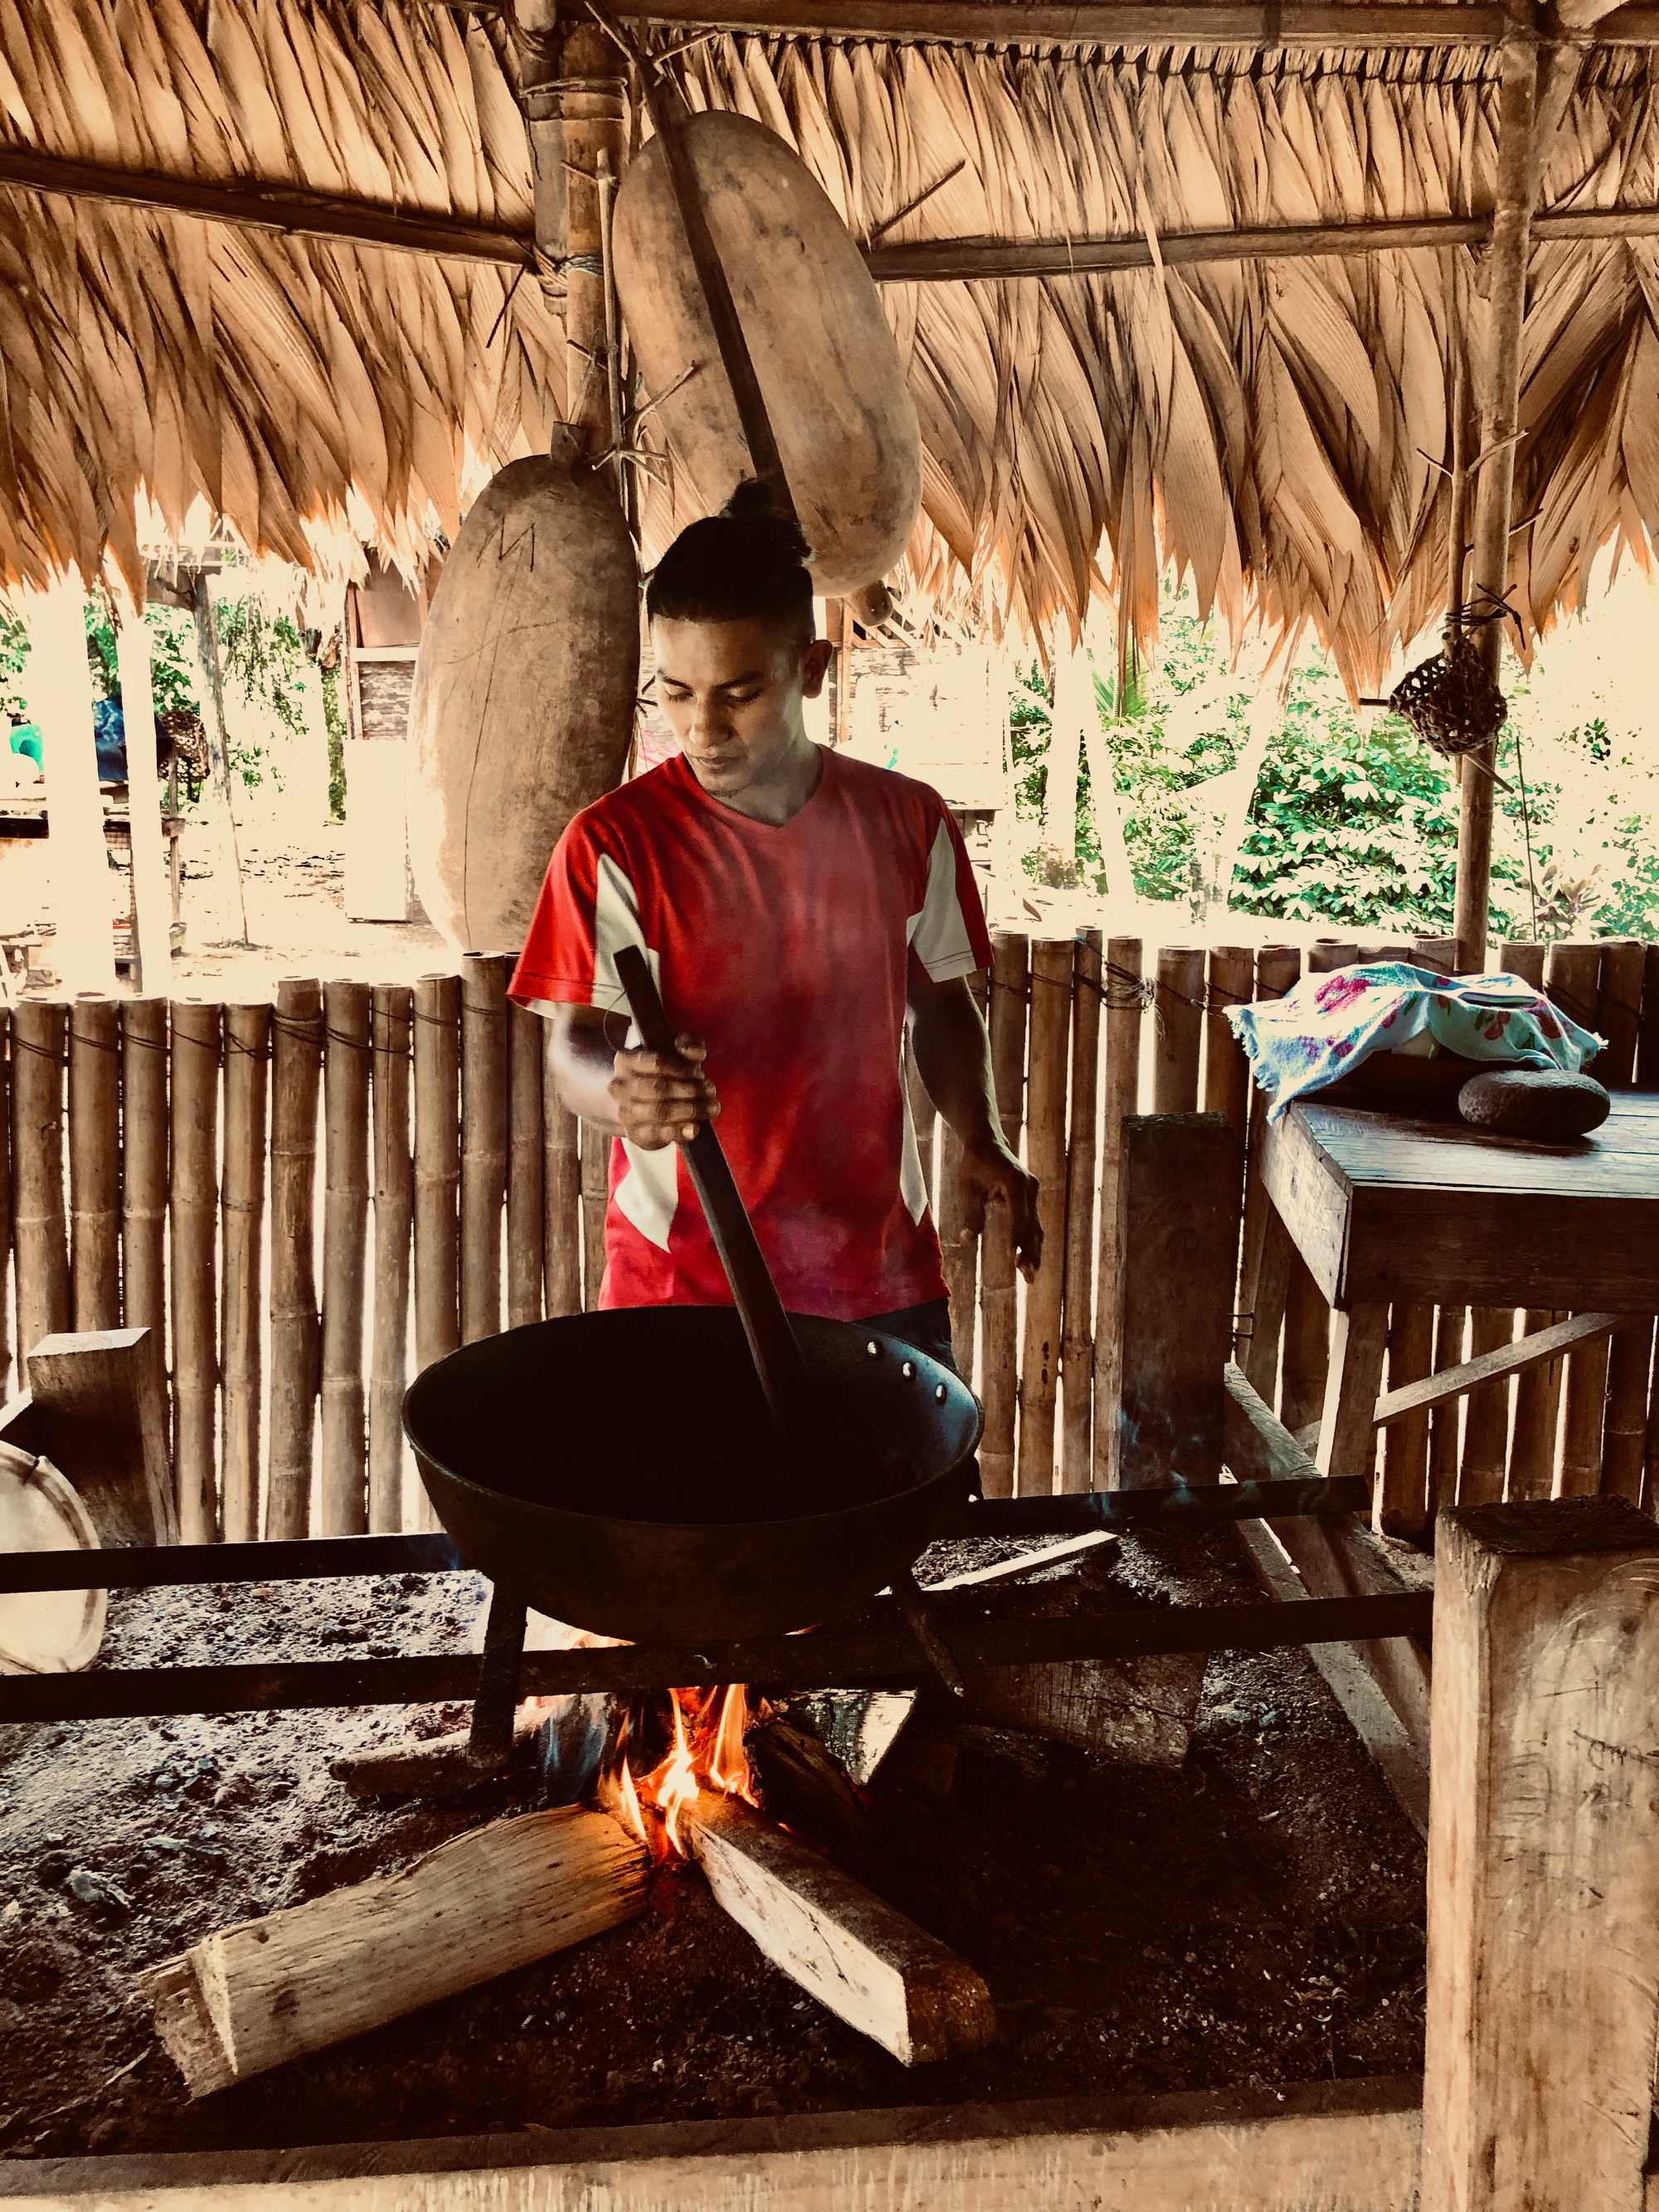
{"x":1450,"y":700}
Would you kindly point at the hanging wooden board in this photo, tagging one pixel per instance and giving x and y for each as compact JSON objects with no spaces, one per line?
{"x":45,"y":1632}
{"x":524,"y":690}
{"x":826,"y":359}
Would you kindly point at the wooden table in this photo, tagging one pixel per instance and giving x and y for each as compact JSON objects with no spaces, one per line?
{"x":1383,"y":1209}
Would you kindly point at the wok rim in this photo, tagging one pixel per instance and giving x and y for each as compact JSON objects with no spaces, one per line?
{"x":707,"y":1527}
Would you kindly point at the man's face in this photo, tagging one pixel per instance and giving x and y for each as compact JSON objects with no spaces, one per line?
{"x":732,"y":694}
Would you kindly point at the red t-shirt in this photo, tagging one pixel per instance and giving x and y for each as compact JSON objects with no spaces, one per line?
{"x":786,"y":950}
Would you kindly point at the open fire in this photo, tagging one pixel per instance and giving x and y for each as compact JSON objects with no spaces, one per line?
{"x":706,"y":1751}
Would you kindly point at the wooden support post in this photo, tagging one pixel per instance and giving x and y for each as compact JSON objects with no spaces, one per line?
{"x":1178,"y":1025}
{"x":484,"y":1904}
{"x":38,"y":1034}
{"x":100,"y":1415}
{"x":1619,"y":1012}
{"x":295,"y":1329}
{"x":998,"y":1279}
{"x":343,"y":1491}
{"x":596,"y":1199}
{"x":1178,"y":1206}
{"x":1226,"y":1069}
{"x":1486,"y":1424}
{"x":870,"y":1966}
{"x":392,"y":1019}
{"x":1537,"y":1416}
{"x":1543,"y":1954}
{"x":483,"y":1140}
{"x":1347,"y":1433}
{"x":94,"y":1156}
{"x":1406,"y":1445}
{"x":590,"y":102}
{"x":1121,"y":1096}
{"x":437,"y":1167}
{"x":1505,"y":281}
{"x":1445,"y":1422}
{"x":958,"y":1244}
{"x":524,"y":1171}
{"x":1077,"y":1358}
{"x":144,"y":1165}
{"x":561,"y":1195}
{"x":1630,"y":1363}
{"x":1052,"y":964}
{"x":242,"y":1237}
{"x":58,"y":688}
{"x":194,"y":1211}
{"x":1307,"y":1347}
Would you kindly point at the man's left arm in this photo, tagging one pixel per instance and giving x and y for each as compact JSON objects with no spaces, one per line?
{"x":953,"y":1054}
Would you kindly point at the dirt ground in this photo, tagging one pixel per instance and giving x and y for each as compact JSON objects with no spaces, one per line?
{"x":1255,"y":1919}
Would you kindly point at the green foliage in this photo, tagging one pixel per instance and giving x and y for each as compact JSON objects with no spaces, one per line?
{"x":261,"y":656}
{"x":334,"y":718}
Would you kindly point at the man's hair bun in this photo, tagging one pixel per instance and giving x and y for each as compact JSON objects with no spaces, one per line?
{"x":746,"y":561}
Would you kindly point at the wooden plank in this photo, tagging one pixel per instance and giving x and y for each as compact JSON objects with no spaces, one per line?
{"x":1347,"y":1434}
{"x":1311,"y":1195}
{"x":256,"y":1995}
{"x":1546,"y":1658}
{"x":1124,"y":1006}
{"x":864,"y":1961}
{"x":1307,"y":1347}
{"x":1053,"y":962}
{"x":1135,"y":1711}
{"x":295,"y":1327}
{"x":1178,"y":1204}
{"x":1348,"y":2146}
{"x":343,"y":1487}
{"x":1619,"y":1010}
{"x":997,"y":1273}
{"x":1514,"y":1358}
{"x":1078,"y":1338}
{"x":1647,"y":1046}
{"x":194,"y":1221}
{"x":241,"y":1240}
{"x":95,"y":1162}
{"x":100,"y":1415}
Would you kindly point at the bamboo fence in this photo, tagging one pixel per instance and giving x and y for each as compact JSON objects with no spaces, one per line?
{"x":312,"y":1201}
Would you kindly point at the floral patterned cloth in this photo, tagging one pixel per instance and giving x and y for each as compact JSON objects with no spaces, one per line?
{"x":1329,"y":1024}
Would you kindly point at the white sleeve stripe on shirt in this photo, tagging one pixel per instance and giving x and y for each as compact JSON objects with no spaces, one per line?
{"x":940,"y":931}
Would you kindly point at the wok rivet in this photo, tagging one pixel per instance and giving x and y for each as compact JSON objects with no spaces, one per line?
{"x":873,"y":1349}
{"x":938,"y":1394}
{"x":907,"y":1369}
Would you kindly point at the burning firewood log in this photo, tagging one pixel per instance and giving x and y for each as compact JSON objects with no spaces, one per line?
{"x":258,"y":1994}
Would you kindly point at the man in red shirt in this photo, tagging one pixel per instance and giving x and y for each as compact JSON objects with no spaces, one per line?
{"x":793,"y":904}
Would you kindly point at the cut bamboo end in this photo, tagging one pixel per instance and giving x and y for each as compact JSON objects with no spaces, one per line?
{"x":1179,"y":1007}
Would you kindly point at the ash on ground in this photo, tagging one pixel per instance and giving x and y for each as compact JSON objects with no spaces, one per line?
{"x":1255,"y":1919}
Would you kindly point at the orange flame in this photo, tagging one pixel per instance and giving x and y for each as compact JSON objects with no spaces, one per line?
{"x":708,"y":1748}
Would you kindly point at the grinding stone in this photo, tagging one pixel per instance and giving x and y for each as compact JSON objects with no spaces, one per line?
{"x":1548,"y":1105}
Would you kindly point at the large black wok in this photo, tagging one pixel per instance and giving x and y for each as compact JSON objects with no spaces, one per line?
{"x":622,"y":1471}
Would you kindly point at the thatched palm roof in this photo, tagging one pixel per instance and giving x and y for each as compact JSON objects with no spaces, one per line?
{"x":1278,"y":424}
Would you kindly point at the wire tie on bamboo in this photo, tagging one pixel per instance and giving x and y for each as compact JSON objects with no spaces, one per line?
{"x":81,"y":1036}
{"x":234,"y":1043}
{"x":40,"y":1051}
{"x":357,"y":1044}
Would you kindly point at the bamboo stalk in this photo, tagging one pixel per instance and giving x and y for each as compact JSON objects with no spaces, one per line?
{"x":1440,"y":953}
{"x":437,"y":1167}
{"x":958,"y":1244}
{"x":524,"y":1172}
{"x":295,"y":1328}
{"x":1124,"y":1006}
{"x":561,"y":1195}
{"x":1619,"y":1012}
{"x":1571,"y":976}
{"x":998,"y":1295}
{"x":5,"y":1201}
{"x":1537,"y":1416}
{"x":1052,"y":964}
{"x":483,"y":1140}
{"x":1077,"y":1357}
{"x":1583,"y":1420}
{"x":1277,"y":968}
{"x":1226,"y":1069}
{"x":1522,"y":956}
{"x":1307,"y":1347}
{"x":1486,"y":1424}
{"x":1177,"y":1028}
{"x":1630,"y":1363}
{"x":194,"y":1212}
{"x":144,"y":1165}
{"x":923,"y":1119}
{"x":1330,"y":953}
{"x":391,"y":1020}
{"x":94,"y":1157}
{"x":241,"y":1236}
{"x":1406,"y":1444}
{"x":596,"y":1198}
{"x":1450,"y":1328}
{"x":1647,"y":1045}
{"x":39,"y":1040}
{"x":343,"y":1493}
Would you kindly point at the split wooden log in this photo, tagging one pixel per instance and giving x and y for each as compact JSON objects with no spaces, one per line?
{"x":435,"y":1766}
{"x":866,"y":1962}
{"x":100,"y":1406}
{"x":255,"y":1995}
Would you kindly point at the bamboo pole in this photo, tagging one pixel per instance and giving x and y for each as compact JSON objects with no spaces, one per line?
{"x":391,"y":1020}
{"x":596,"y":1198}
{"x":958,"y":1244}
{"x":1537,"y":1416}
{"x":1307,"y":1348}
{"x":344,"y":1490}
{"x":437,"y":1167}
{"x":561,"y":1195}
{"x":1277,"y":968}
{"x":1328,"y":954}
{"x":1177,"y":1027}
{"x":1077,"y":1357}
{"x":1450,"y":1328}
{"x":58,"y":686}
{"x":152,"y":941}
{"x":1572,"y":975}
{"x":1630,"y":1363}
{"x":1504,"y":284}
{"x":38,"y":1039}
{"x":5,"y":1202}
{"x":1647,"y":1047}
{"x":1226,"y":1069}
{"x":295,"y":1328}
{"x":241,"y":1236}
{"x":998,"y":1295}
{"x":1438,"y":953}
{"x":94,"y":1159}
{"x":1583,"y":1420}
{"x":524,"y":1173}
{"x":194,"y":1217}
{"x":1619,"y":1012}
{"x":1406,"y":1444}
{"x":1053,"y":963}
{"x":144,"y":1165}
{"x":483,"y":1140}
{"x":1522,"y":957}
{"x":1486,"y":1424}
{"x":1125,"y":1005}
